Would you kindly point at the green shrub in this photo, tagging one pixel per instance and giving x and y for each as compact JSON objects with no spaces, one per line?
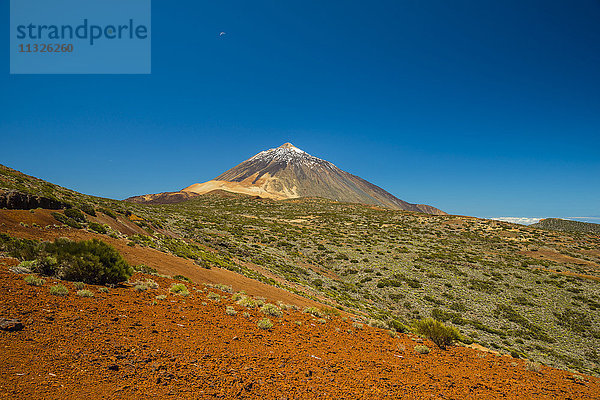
{"x":85,"y":293}
{"x":179,"y":288}
{"x":59,"y":290}
{"x":88,"y":209}
{"x":265,"y":323}
{"x":103,"y":290}
{"x":23,"y":249}
{"x":161,"y":297}
{"x":439,"y":333}
{"x":377,"y":323}
{"x":75,"y":214}
{"x":357,"y":325}
{"x":90,"y":261}
{"x":314,"y":311}
{"x":271,"y":309}
{"x":97,"y":227}
{"x":108,"y":212}
{"x":533,"y":366}
{"x":79,"y":285}
{"x":182,"y":278}
{"x":213,"y":296}
{"x":34,"y":280}
{"x":144,"y":269}
{"x":247,"y":302}
{"x":422,"y":349}
{"x":230,"y":310}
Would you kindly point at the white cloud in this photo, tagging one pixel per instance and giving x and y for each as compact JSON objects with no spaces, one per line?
{"x":518,"y":220}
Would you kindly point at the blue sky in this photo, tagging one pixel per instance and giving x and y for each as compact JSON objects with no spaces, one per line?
{"x":482,"y":108}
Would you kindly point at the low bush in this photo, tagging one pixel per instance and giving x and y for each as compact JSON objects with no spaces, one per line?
{"x":230,"y":310}
{"x":247,"y":302}
{"x":182,"y":278}
{"x":265,"y":323}
{"x":108,"y":212}
{"x":533,"y":366}
{"x":213,"y":296}
{"x":179,"y":288}
{"x":97,"y":227}
{"x":439,"y":333}
{"x":88,"y":209}
{"x":75,"y":214}
{"x":377,"y":323}
{"x":85,"y":293}
{"x":314,"y":311}
{"x":59,"y":290}
{"x":34,"y":280}
{"x":422,"y":349}
{"x":90,"y":261}
{"x":271,"y":309}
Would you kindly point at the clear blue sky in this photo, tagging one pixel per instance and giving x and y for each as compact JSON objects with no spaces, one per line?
{"x":486,"y":108}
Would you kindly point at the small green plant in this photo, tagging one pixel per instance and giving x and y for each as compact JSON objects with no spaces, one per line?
{"x":34,"y":280}
{"x":182,"y":278}
{"x":271,"y":309}
{"x":533,"y":366}
{"x":88,"y":209}
{"x":75,"y":214}
{"x":237,"y":296}
{"x":357,"y":325}
{"x":422,"y":349}
{"x":140,"y":286}
{"x":265,"y":323}
{"x":314,"y":311}
{"x":161,"y":297}
{"x":179,"y":288}
{"x":59,"y":290}
{"x":247,"y":302}
{"x":377,"y":323}
{"x":299,"y":323}
{"x":79,"y":285}
{"x":103,"y":290}
{"x":96,"y":227}
{"x":322,"y":320}
{"x":230,"y":310}
{"x":85,"y":293}
{"x":213,"y":296}
{"x":439,"y":333}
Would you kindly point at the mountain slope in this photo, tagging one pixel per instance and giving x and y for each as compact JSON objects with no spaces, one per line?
{"x":287,"y":172}
{"x":558,"y":224}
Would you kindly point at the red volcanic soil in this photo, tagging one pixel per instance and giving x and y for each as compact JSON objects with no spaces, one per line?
{"x":126,"y":344}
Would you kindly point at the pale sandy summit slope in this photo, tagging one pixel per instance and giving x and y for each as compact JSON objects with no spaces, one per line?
{"x":287,"y":172}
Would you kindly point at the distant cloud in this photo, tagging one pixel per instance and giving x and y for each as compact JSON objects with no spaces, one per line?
{"x":222,"y":33}
{"x":518,"y":220}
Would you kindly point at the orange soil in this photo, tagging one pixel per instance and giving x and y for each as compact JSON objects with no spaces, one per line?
{"x":118,"y":345}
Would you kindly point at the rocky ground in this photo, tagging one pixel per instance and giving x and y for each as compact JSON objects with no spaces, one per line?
{"x":129,"y":344}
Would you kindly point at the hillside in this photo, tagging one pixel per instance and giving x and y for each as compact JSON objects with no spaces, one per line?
{"x":132,"y":343}
{"x":516,"y":290}
{"x":287,"y":172}
{"x":558,"y":224}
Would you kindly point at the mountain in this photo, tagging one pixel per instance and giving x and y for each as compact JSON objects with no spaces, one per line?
{"x":557,"y":224}
{"x":287,"y":172}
